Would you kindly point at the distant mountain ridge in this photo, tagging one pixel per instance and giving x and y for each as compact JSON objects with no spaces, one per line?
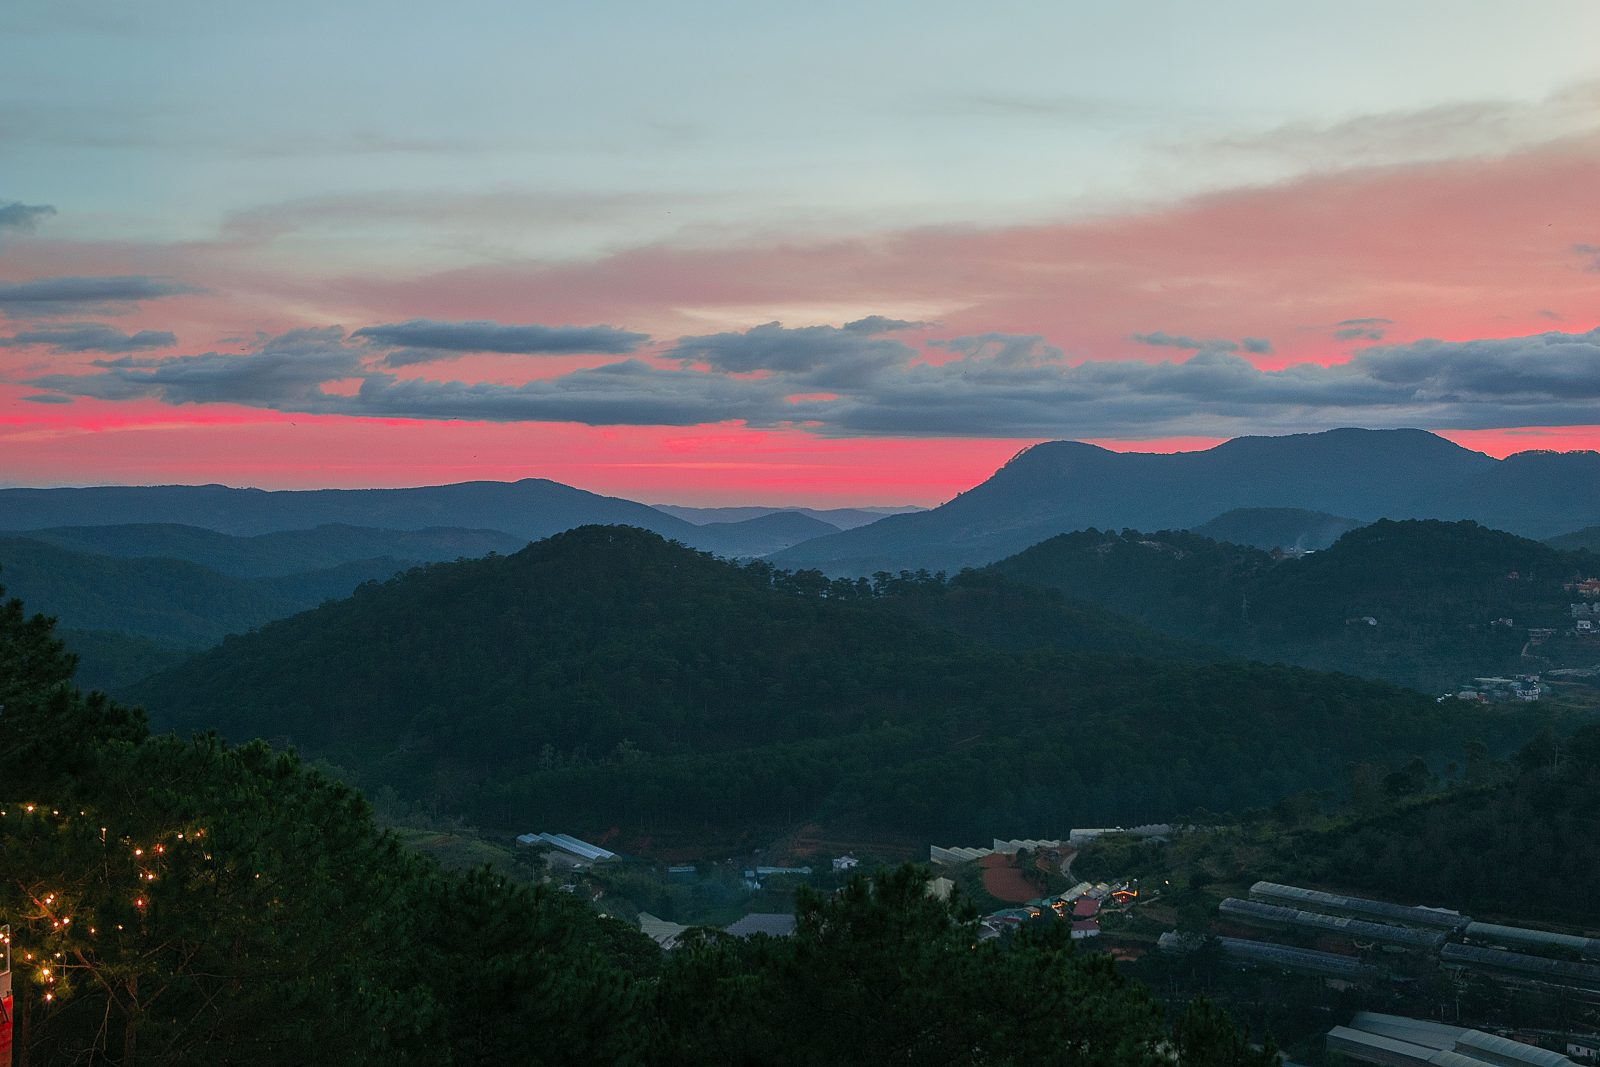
{"x":1062,"y":486}
{"x":506,"y":515}
{"x":1588,"y":537}
{"x":839,"y":518}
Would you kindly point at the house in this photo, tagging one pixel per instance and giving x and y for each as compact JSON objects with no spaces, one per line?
{"x":845,"y":863}
{"x":1590,"y":587}
{"x":683,"y":873}
{"x":1085,"y":908}
{"x":1085,"y":928}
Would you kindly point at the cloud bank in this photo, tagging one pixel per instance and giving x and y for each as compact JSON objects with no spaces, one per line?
{"x":89,"y":337}
{"x":44,"y":297}
{"x":427,"y":340}
{"x":853,"y":381}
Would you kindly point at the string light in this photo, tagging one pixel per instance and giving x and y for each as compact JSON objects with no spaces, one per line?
{"x":50,"y":903}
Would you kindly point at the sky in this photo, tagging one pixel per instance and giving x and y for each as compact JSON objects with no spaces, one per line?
{"x":825,"y":254}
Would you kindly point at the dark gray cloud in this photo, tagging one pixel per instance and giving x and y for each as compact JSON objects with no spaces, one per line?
{"x":1162,"y":339}
{"x":629,"y":392}
{"x":1002,"y":349}
{"x":427,"y":340}
{"x":1590,"y":252}
{"x":996,"y":385}
{"x":821,"y":357}
{"x":879,"y":324}
{"x":22,"y":218}
{"x":78,"y":296}
{"x":1371,"y":328}
{"x":286,"y":374}
{"x":89,"y":337}
{"x":48,"y":398}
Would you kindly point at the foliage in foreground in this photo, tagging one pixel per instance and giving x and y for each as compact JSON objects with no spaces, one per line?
{"x":183,"y":902}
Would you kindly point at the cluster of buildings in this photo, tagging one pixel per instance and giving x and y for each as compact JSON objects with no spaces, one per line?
{"x":1397,"y":1041}
{"x":1521,"y":687}
{"x":1454,"y":941}
{"x":1081,"y":906}
{"x":1547,"y":962}
{"x":1589,"y":587}
{"x":1075,"y":839}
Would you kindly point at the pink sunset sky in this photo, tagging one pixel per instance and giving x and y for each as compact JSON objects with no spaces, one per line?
{"x":754,"y":262}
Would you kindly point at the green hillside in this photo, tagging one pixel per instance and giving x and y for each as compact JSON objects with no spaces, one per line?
{"x":168,"y":600}
{"x":186,"y":903}
{"x":605,"y":677}
{"x":1431,"y":590}
{"x":126,"y":617}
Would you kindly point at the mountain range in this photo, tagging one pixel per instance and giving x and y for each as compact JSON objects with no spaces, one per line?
{"x":1061,"y":486}
{"x":518,"y":512}
{"x":1348,"y":477}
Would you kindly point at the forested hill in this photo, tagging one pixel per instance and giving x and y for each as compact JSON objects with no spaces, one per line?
{"x":1526,"y":821}
{"x":1432,"y":590}
{"x":188,"y":904}
{"x":607,"y":678}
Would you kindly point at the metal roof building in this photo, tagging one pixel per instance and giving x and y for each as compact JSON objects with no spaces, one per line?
{"x":1275,"y":917}
{"x":1587,"y":947}
{"x":956,"y":854}
{"x":1360,"y":907}
{"x":570,"y":845}
{"x":775,"y":924}
{"x":1265,"y":954}
{"x":1397,"y":1041}
{"x":1561,"y":972}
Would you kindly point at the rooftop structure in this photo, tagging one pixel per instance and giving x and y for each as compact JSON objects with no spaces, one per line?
{"x":662,"y":931}
{"x":570,"y":845}
{"x":1560,"y":972}
{"x":774,"y":924}
{"x":1397,"y":1041}
{"x":1273,"y":916}
{"x":1282,"y":957}
{"x":1587,"y":947}
{"x":1360,"y":907}
{"x":1032,"y":844}
{"x":956,"y":854}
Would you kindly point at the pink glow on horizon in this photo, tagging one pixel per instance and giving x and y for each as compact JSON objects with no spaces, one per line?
{"x":711,"y":465}
{"x":1502,"y":443}
{"x":1469,"y":249}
